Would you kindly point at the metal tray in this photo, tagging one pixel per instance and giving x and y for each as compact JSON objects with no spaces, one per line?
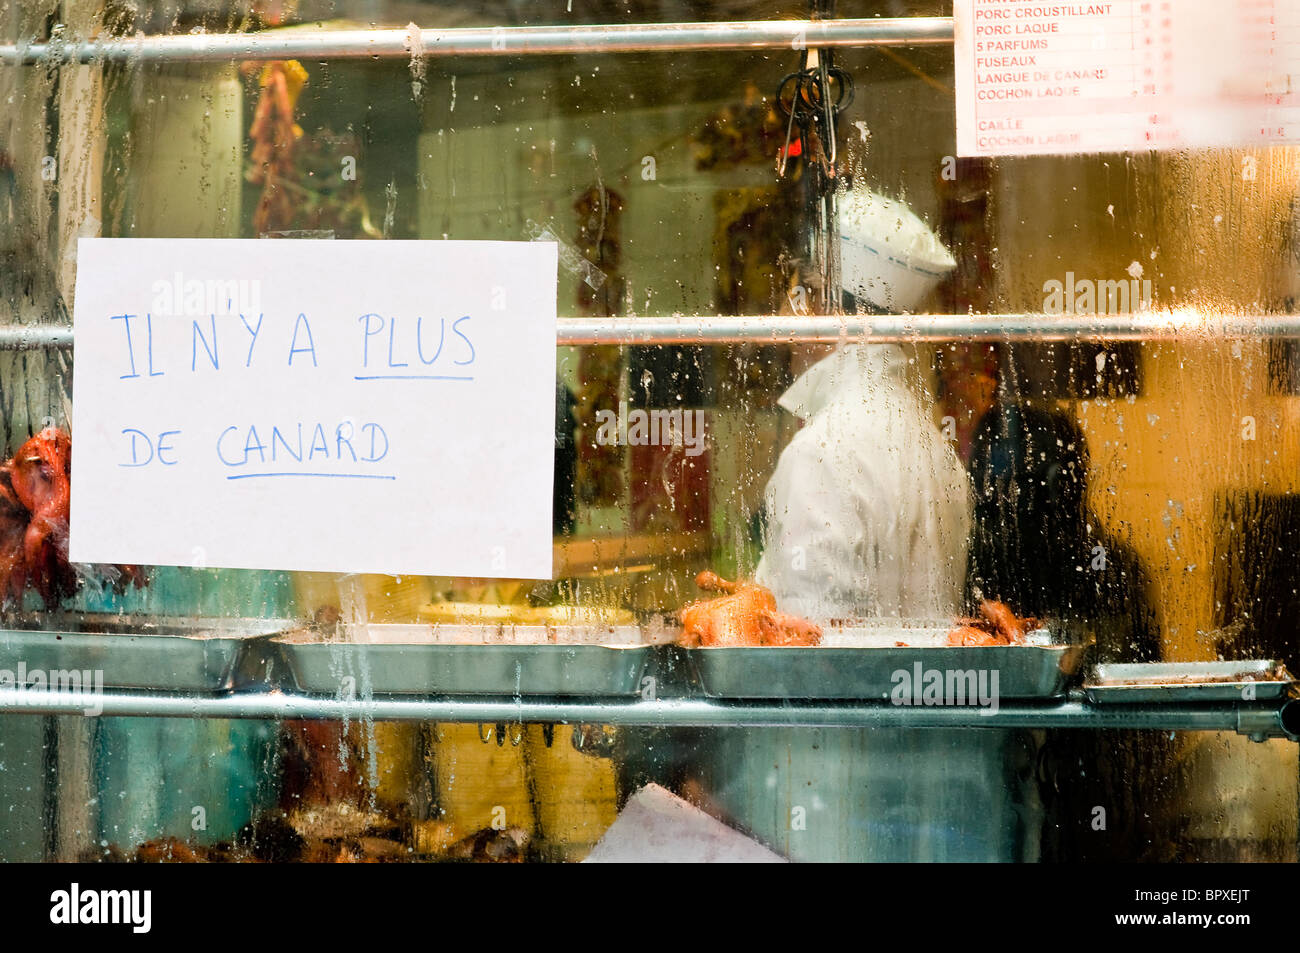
{"x":468,"y":660}
{"x":864,"y":664}
{"x":1251,"y":680}
{"x":180,"y":654}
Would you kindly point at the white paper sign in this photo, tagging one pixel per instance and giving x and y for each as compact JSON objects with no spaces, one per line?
{"x":658,"y":827}
{"x":341,"y":406}
{"x":1127,"y":75}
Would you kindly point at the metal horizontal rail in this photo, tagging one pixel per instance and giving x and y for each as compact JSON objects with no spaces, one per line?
{"x":35,"y":337}
{"x":1027,"y":328}
{"x":489,"y":41}
{"x":1006,"y":328}
{"x":1258,"y":721}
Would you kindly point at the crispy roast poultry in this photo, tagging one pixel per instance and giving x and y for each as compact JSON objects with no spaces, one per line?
{"x":997,"y":625}
{"x":35,"y":500}
{"x":745,"y":614}
{"x":41,"y":476}
{"x":13,"y":536}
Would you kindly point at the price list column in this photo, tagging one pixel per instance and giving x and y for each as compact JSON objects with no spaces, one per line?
{"x":1153,"y":28}
{"x":1276,"y":26}
{"x":1038,"y":78}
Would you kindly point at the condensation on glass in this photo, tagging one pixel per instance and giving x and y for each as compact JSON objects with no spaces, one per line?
{"x":1139,"y":497}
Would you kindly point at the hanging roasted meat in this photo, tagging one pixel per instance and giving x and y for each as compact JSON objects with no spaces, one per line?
{"x":13,"y":535}
{"x":35,"y":501}
{"x":41,"y":475}
{"x":275,"y":134}
{"x":744,"y":615}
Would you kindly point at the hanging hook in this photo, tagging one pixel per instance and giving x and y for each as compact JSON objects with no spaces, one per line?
{"x":792,"y":109}
{"x":811,"y":97}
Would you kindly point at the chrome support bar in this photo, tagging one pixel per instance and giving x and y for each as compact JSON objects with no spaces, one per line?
{"x":1005,"y":328}
{"x":490,"y":41}
{"x":35,"y":337}
{"x":1257,"y":721}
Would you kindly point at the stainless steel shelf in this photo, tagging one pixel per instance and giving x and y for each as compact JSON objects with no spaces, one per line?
{"x":490,"y":41}
{"x":714,"y":329}
{"x":1256,"y":720}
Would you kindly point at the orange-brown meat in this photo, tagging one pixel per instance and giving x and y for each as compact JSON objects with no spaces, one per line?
{"x":36,"y":494}
{"x":727,"y":620}
{"x":168,"y":850}
{"x":780,"y":628}
{"x":712,"y":582}
{"x":997,"y":625}
{"x":41,"y":478}
{"x":973,"y":635}
{"x":1007,"y":624}
{"x":13,"y":534}
{"x":745,"y":616}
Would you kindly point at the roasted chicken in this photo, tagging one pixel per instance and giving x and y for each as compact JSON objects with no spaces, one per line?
{"x":13,"y":536}
{"x":35,"y":501}
{"x":41,"y":475}
{"x":744,"y":615}
{"x":997,"y":625}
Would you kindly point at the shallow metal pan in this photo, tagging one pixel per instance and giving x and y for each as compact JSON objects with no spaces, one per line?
{"x":1172,"y":682}
{"x":868,"y":663}
{"x":382,"y":659}
{"x":180,"y":654}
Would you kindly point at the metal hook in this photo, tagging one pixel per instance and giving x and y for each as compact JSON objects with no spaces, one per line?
{"x":811,"y":96}
{"x":794,"y":108}
{"x":785,"y":150}
{"x":828,"y":112}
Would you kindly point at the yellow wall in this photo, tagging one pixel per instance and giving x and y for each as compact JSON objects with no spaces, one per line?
{"x":1208,"y":231}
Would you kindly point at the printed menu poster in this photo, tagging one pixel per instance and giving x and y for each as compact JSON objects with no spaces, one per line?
{"x":1038,"y":78}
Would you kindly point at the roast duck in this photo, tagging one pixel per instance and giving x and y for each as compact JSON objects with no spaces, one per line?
{"x":744,"y":614}
{"x":35,"y":495}
{"x":996,"y":625}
